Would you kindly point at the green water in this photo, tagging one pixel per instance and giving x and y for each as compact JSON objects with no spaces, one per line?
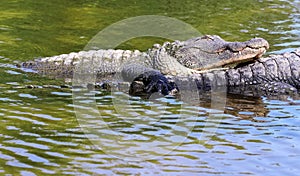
{"x":40,"y":131}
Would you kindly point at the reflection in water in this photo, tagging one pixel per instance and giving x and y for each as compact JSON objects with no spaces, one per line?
{"x":246,"y":107}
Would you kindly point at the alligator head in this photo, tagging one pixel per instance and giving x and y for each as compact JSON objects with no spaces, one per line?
{"x":211,"y":51}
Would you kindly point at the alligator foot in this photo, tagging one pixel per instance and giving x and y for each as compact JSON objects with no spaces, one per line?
{"x":151,"y":82}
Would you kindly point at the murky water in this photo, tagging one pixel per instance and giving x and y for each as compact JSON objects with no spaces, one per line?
{"x":46,"y":131}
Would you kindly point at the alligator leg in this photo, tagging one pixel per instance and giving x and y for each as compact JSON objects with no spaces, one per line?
{"x":146,"y":80}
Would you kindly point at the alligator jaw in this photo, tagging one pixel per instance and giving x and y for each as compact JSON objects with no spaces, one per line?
{"x":235,"y":53}
{"x":237,"y":59}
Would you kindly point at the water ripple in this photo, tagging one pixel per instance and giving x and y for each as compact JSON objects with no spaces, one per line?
{"x":40,"y":134}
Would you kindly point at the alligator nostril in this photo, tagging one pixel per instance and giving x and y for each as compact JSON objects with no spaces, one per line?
{"x":258,"y":43}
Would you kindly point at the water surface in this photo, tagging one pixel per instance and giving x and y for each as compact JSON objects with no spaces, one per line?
{"x":40,"y":134}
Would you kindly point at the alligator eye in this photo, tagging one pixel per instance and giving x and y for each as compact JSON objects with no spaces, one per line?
{"x":209,"y":37}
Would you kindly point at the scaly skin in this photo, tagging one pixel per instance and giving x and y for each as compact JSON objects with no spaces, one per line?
{"x":202,"y":59}
{"x":211,"y":51}
{"x":273,"y":75}
{"x":177,"y":58}
{"x":276,"y":74}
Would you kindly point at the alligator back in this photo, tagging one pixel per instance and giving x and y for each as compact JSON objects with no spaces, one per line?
{"x":101,"y":62}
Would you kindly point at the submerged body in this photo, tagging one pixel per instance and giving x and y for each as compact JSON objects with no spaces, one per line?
{"x":207,"y":61}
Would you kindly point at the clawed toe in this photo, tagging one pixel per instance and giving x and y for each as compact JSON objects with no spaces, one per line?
{"x":153,"y":82}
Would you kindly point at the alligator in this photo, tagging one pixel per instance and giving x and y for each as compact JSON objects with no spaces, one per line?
{"x":207,"y":61}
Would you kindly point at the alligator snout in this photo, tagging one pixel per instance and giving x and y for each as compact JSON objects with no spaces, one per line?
{"x":258,"y":43}
{"x":255,"y":43}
